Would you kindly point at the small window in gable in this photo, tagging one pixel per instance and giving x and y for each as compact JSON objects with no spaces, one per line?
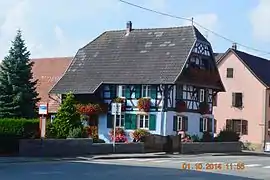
{"x":229,"y":72}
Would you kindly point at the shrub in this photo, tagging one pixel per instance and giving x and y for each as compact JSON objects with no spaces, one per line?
{"x":67,"y":118}
{"x":139,"y":134}
{"x":195,"y":138}
{"x":227,"y":136}
{"x":207,"y":137}
{"x":77,"y":133}
{"x":120,"y":135}
{"x":11,"y":130}
{"x":92,"y":131}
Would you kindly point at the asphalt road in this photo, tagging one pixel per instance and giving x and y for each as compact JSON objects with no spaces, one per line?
{"x":134,"y":169}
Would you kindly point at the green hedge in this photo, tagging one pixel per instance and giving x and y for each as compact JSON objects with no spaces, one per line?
{"x":11,"y":130}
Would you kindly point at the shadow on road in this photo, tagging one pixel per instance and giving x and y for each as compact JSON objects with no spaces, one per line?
{"x":80,"y":170}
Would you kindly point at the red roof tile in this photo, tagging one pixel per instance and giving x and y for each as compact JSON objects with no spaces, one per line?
{"x":48,"y":71}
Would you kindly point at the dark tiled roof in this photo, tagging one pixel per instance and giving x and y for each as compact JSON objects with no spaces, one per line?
{"x":218,"y":56}
{"x":259,"y":66}
{"x":145,"y":56}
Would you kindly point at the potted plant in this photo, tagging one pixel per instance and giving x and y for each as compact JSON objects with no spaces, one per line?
{"x":144,"y":104}
{"x":181,"y":106}
{"x":204,"y":108}
{"x":139,"y":134}
{"x":120,"y":135}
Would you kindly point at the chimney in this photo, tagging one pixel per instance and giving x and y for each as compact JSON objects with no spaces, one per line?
{"x":234,"y":46}
{"x":129,"y":27}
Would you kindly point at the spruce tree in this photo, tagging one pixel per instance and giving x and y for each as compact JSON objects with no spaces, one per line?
{"x":18,"y":95}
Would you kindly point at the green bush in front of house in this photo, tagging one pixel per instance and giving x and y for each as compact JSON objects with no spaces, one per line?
{"x":66,"y":119}
{"x":227,"y":136}
{"x":11,"y":130}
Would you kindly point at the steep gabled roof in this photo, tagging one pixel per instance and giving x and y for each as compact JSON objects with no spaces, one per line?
{"x":48,"y":71}
{"x":144,"y":56}
{"x":258,"y":66}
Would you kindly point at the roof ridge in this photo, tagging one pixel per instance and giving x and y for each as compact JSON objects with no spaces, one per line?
{"x":51,"y":58}
{"x":250,"y":54}
{"x":156,"y":28}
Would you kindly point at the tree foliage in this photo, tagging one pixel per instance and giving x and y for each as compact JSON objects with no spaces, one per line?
{"x":18,"y":95}
{"x":66,"y":119}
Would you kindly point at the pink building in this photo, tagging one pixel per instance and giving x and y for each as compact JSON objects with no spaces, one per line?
{"x":245,"y":106}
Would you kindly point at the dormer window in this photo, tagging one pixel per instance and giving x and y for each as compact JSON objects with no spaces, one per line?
{"x":229,"y":72}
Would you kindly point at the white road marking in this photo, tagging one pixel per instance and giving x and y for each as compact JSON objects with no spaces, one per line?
{"x":160,"y":161}
{"x":252,"y":165}
{"x":48,"y":172}
{"x":143,"y":160}
{"x":266,"y":167}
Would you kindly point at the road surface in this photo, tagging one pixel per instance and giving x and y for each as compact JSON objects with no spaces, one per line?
{"x":134,"y":169}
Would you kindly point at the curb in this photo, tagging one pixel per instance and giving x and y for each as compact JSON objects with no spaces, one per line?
{"x":36,"y":160}
{"x":131,"y":157}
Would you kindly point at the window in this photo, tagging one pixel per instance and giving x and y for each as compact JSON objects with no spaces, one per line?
{"x":146,"y":90}
{"x":143,"y":121}
{"x":202,"y":95}
{"x":121,"y":91}
{"x":206,"y":125}
{"x":52,"y":118}
{"x":237,"y":125}
{"x":237,"y":100}
{"x":229,"y":72}
{"x":180,"y":123}
{"x":120,"y":120}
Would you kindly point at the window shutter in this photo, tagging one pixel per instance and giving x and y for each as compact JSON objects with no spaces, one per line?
{"x":229,"y":124}
{"x":137,"y":91}
{"x":112,"y":91}
{"x":233,"y":100}
{"x":215,"y":126}
{"x":240,"y":99}
{"x":152,"y":122}
{"x":244,"y":127}
{"x":127,"y":92}
{"x":185,"y":120}
{"x":128,"y":121}
{"x":209,"y":125}
{"x":201,"y":124}
{"x":153,"y":94}
{"x":109,"y":121}
{"x":175,"y":123}
{"x":133,"y":121}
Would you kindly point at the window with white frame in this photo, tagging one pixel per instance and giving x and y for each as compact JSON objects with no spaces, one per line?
{"x":206,"y":124}
{"x":146,"y":90}
{"x":120,"y":120}
{"x":182,"y":123}
{"x":143,"y":121}
{"x":121,"y":91}
{"x":202,"y":95}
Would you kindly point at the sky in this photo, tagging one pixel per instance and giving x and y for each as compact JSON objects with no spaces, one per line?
{"x":59,"y":28}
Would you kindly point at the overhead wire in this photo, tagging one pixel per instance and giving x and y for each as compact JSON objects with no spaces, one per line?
{"x":197,"y":24}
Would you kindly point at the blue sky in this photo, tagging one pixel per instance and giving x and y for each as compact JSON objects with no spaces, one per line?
{"x":59,"y":28}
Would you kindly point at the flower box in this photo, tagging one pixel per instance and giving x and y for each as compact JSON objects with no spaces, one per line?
{"x":181,"y":106}
{"x":91,"y":109}
{"x":144,"y":104}
{"x":204,"y":108}
{"x":122,"y":101}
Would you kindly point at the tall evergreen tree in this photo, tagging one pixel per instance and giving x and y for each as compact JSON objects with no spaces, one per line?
{"x":18,"y":95}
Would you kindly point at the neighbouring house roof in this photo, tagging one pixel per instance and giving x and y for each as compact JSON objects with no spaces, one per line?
{"x":144,"y":56}
{"x":257,"y":65}
{"x":218,"y":56}
{"x":48,"y":71}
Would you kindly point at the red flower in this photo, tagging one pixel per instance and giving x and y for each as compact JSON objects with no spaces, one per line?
{"x":144,"y":104}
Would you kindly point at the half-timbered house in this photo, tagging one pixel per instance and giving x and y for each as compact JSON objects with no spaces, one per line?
{"x":166,"y":78}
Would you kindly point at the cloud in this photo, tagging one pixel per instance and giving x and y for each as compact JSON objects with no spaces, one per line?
{"x":260,"y":21}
